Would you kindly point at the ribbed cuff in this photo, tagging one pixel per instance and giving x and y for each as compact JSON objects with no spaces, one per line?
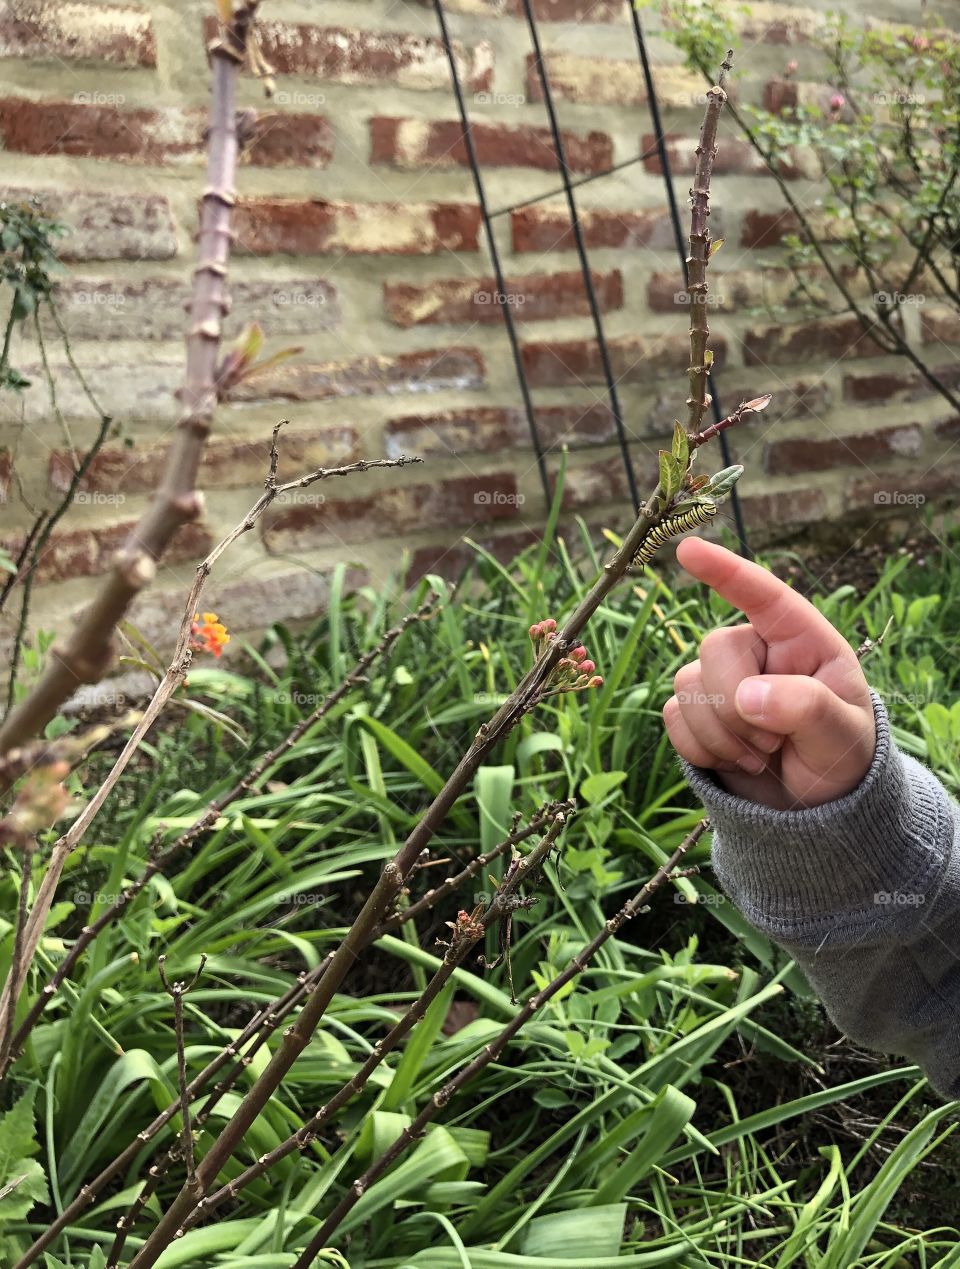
{"x":859,"y":861}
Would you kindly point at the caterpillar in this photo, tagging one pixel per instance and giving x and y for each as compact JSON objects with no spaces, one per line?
{"x":660,"y":534}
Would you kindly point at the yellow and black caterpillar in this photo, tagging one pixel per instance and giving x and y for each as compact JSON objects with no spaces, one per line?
{"x":660,"y":534}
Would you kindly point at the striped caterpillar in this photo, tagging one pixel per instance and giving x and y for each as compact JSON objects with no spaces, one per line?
{"x":660,"y":534}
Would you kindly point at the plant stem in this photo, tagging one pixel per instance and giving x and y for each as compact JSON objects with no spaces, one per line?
{"x":87,"y":652}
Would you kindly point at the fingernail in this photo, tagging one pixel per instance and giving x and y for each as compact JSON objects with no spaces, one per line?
{"x":750,"y":764}
{"x":752,"y":697}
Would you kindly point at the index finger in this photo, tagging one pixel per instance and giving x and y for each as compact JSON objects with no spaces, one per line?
{"x":776,"y":612}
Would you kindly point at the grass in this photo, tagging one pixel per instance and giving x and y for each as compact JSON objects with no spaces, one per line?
{"x":682,"y":1104}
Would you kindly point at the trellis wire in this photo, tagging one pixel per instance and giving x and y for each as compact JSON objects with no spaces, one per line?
{"x":567,"y":188}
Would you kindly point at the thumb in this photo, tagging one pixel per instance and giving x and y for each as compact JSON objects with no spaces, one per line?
{"x":829,"y":734}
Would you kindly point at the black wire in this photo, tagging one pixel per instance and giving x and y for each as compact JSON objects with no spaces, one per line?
{"x":494,"y":254}
{"x":581,"y":252}
{"x":682,"y":252}
{"x":584,"y":180}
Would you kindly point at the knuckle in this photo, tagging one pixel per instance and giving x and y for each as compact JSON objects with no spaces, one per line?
{"x":686,"y":676}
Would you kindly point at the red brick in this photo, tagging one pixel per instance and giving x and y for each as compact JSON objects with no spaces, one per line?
{"x":634,"y":359}
{"x":607,"y":82}
{"x":491,"y":429}
{"x":167,"y":135}
{"x":6,"y":473}
{"x":767,"y":229}
{"x":782,"y":508}
{"x":902,"y":491}
{"x":833,"y":338}
{"x":106,"y":226}
{"x":418,"y":143}
{"x":604,"y":480}
{"x":948,"y":428}
{"x":896,"y":385}
{"x":735,"y":157}
{"x":347,"y":56}
{"x":303,"y":226}
{"x":227,"y":463}
{"x":404,"y":508}
{"x":427,"y":370}
{"x":451,"y":560}
{"x":939,"y":326}
{"x":153,"y":307}
{"x":793,"y":455}
{"x":531,"y":298}
{"x":783,"y":96}
{"x":84,"y":552}
{"x":45,"y":31}
{"x":736,"y":290}
{"x":547,"y":228}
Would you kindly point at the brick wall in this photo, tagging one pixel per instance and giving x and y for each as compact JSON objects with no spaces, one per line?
{"x":359,"y":237}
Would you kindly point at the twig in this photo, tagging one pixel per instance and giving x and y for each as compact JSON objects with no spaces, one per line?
{"x":492,"y":1051}
{"x":177,"y":991}
{"x":700,"y":252}
{"x":745,"y":407}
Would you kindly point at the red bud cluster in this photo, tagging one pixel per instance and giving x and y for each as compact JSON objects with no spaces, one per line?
{"x":573,"y":672}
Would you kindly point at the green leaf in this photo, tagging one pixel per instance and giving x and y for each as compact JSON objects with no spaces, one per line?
{"x":18,"y":1168}
{"x":680,"y":446}
{"x":566,"y":1235}
{"x":596,"y":787}
{"x":671,"y":475}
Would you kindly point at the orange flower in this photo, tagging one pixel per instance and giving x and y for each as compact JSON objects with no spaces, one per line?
{"x":209,"y":635}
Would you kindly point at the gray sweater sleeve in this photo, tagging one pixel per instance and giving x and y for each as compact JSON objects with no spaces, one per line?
{"x":864,"y":893}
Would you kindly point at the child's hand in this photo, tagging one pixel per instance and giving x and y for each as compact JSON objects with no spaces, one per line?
{"x":780,"y":706}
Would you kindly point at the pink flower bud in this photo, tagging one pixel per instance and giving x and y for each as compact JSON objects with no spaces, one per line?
{"x":586,"y":667}
{"x":596,"y":681}
{"x":565,"y":664}
{"x":549,"y":625}
{"x":792,"y":67}
{"x":578,"y":653}
{"x":837,"y":101}
{"x":536,"y":631}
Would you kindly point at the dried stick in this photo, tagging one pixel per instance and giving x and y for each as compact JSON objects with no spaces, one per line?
{"x":204,"y":822}
{"x":177,"y":991}
{"x":265,"y":1023}
{"x":467,"y":932}
{"x":385,"y":892}
{"x":87,"y":652}
{"x":700,"y":251}
{"x":492,"y":1051}
{"x":165,"y":689}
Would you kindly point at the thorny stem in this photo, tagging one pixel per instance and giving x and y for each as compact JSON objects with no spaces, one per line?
{"x":465,"y":937}
{"x":388,"y":887}
{"x":492,"y":1051}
